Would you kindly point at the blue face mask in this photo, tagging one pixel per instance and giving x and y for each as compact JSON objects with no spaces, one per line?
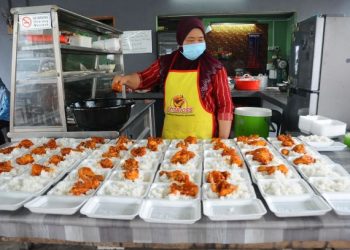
{"x":193,"y":51}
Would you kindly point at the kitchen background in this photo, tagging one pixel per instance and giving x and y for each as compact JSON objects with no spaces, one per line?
{"x":144,"y":16}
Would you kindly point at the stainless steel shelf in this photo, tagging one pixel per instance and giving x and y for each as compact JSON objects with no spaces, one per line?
{"x":67,"y":78}
{"x":69,"y":49}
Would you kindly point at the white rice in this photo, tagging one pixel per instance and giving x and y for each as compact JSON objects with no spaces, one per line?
{"x":280,"y":188}
{"x":319,"y":170}
{"x":31,"y":184}
{"x":190,"y":165}
{"x":126,"y":188}
{"x":146,"y":165}
{"x":212,"y":163}
{"x":143,"y":176}
{"x":161,"y":191}
{"x":64,"y":187}
{"x":332,"y":185}
{"x":194,"y":177}
{"x":236,"y":176}
{"x":278,"y":175}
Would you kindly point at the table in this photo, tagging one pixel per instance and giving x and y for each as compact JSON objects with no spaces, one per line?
{"x":328,"y":230}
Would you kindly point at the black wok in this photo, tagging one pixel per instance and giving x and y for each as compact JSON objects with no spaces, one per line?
{"x":101,"y":114}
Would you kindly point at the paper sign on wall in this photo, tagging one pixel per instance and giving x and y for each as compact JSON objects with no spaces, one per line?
{"x":35,"y":21}
{"x":137,"y":41}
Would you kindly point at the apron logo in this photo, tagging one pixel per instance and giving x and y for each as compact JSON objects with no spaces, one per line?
{"x":179,"y":105}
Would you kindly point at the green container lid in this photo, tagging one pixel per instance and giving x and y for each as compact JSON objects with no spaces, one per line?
{"x":252,"y":120}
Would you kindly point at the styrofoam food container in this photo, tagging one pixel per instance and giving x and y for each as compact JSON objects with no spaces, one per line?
{"x":212,"y":163}
{"x":12,"y":201}
{"x":324,"y":185}
{"x":340,"y":202}
{"x":112,"y":208}
{"x":248,"y":193}
{"x":329,"y":127}
{"x":305,"y":122}
{"x":195,"y":176}
{"x":285,"y":185}
{"x":292,"y":174}
{"x":46,"y":204}
{"x":165,"y":211}
{"x":225,"y":210}
{"x":316,"y":140}
{"x":81,"y":41}
{"x":298,"y":206}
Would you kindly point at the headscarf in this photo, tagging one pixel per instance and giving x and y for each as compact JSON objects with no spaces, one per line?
{"x":208,"y":64}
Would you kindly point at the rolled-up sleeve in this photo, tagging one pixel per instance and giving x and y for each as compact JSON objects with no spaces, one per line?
{"x":150,"y":76}
{"x":222,"y":96}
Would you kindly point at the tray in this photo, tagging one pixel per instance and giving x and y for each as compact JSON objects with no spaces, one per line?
{"x":48,"y":204}
{"x":164,"y":211}
{"x":112,"y":208}
{"x":298,"y":206}
{"x":225,"y":210}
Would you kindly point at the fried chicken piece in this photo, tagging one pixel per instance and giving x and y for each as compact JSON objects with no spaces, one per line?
{"x":300,"y":149}
{"x":182,"y":144}
{"x":228,"y":151}
{"x":106,"y":163}
{"x":37,"y":169}
{"x":26,"y":143}
{"x":39,"y":151}
{"x":217,"y":176}
{"x":67,"y":151}
{"x":5,"y":166}
{"x":236,"y":159}
{"x":139,"y":151}
{"x":191,"y":140}
{"x":87,"y":144}
{"x":176,"y":175}
{"x":223,"y":188}
{"x":285,"y":152}
{"x":219,"y":145}
{"x":261,"y":143}
{"x":99,"y":140}
{"x":245,"y":139}
{"x":131,"y":174}
{"x":123,"y":140}
{"x":55,"y":159}
{"x":287,"y":140}
{"x":111,"y":154}
{"x":25,"y":159}
{"x":305,"y":159}
{"x":182,"y":156}
{"x":215,"y":140}
{"x":51,"y":144}
{"x":283,"y":168}
{"x":272,"y":169}
{"x":188,"y":188}
{"x":153,"y":142}
{"x":7,"y":150}
{"x":130,"y":164}
{"x":262,"y":155}
{"x":85,"y":172}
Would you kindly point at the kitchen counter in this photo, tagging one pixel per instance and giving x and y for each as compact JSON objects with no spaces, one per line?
{"x":321,"y":230}
{"x":273,"y":96}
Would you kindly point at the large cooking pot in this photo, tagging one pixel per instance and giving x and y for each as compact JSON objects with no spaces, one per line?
{"x":101,"y":114}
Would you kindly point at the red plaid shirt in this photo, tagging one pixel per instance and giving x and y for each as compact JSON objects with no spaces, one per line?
{"x":217,"y":100}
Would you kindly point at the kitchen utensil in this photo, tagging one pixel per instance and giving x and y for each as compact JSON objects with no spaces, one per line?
{"x":101,"y":114}
{"x":247,"y":82}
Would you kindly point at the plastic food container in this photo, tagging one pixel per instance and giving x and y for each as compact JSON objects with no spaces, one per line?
{"x":247,"y":82}
{"x":81,"y":41}
{"x":251,"y":120}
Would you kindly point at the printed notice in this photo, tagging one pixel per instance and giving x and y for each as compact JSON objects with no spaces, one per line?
{"x":138,"y":41}
{"x":35,"y":21}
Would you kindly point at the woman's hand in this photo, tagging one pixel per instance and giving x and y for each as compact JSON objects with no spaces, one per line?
{"x":132,"y":81}
{"x":118,"y":82}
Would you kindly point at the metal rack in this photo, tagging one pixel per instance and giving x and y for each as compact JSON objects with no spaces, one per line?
{"x":39,"y":98}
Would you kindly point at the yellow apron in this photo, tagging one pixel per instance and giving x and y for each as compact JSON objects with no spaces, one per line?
{"x":185,"y":114}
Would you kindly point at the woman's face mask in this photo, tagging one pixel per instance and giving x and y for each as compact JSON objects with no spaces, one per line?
{"x":194,"y":50}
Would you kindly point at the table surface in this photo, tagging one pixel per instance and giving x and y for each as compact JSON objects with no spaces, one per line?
{"x":269,"y":228}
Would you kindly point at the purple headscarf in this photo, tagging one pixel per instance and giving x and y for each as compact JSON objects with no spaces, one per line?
{"x":208,"y":64}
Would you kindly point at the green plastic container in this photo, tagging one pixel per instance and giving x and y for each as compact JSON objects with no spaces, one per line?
{"x":251,"y":120}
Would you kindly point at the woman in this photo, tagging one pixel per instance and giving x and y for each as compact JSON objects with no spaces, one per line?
{"x":197,"y":98}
